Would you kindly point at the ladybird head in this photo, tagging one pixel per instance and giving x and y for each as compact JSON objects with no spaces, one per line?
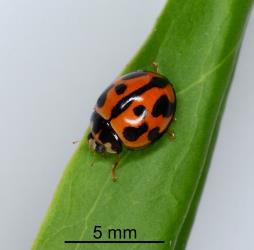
{"x":102,"y":137}
{"x":94,"y":145}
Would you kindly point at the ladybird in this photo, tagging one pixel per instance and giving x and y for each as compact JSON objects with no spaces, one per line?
{"x":133,"y":112}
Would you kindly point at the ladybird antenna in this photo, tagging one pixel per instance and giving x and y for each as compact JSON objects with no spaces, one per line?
{"x":115,"y":165}
{"x":76,"y":142}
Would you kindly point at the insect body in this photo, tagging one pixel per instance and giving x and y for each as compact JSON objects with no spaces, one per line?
{"x":135,"y":111}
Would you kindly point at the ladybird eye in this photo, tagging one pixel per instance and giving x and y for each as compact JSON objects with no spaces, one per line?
{"x":100,"y":148}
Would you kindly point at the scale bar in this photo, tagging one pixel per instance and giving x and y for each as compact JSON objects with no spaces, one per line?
{"x":113,"y":241}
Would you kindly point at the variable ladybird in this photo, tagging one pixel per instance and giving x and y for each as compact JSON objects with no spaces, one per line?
{"x":134,"y":111}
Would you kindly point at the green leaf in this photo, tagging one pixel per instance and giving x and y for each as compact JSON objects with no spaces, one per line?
{"x":195,"y":43}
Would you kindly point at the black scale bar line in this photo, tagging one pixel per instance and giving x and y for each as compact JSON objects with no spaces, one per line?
{"x":114,"y":241}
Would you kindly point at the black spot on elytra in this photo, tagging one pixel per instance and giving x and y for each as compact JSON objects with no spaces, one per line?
{"x":120,"y":88}
{"x":102,"y":99}
{"x":132,"y":134}
{"x":154,"y":134}
{"x":139,"y":110}
{"x":133,"y":75}
{"x":125,"y":102}
{"x":162,"y":107}
{"x":159,"y":82}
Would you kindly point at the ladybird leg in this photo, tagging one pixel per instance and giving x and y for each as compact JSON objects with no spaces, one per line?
{"x":155,"y":67}
{"x":115,"y":165}
{"x":171,"y":134}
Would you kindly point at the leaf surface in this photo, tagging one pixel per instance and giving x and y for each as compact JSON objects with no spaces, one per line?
{"x":195,"y":43}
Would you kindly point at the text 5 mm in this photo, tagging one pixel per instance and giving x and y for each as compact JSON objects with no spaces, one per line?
{"x":114,"y":233}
